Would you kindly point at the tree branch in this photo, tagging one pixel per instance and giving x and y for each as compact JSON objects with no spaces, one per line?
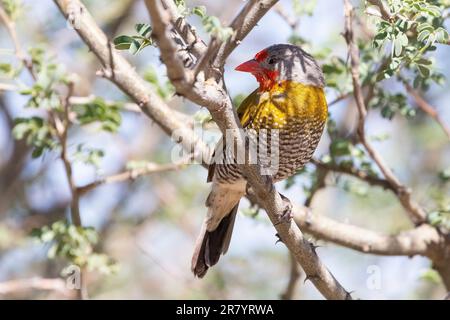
{"x":213,"y":96}
{"x":244,"y":22}
{"x":417,"y":241}
{"x":11,"y":29}
{"x":427,"y":108}
{"x":294,"y":279}
{"x":132,"y":175}
{"x":121,"y":73}
{"x":185,"y":30}
{"x":384,"y":9}
{"x":15,"y":286}
{"x":417,"y":214}
{"x":360,"y":174}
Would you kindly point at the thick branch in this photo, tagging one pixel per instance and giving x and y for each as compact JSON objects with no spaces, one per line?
{"x":216,"y":99}
{"x":120,"y":72}
{"x":409,"y":243}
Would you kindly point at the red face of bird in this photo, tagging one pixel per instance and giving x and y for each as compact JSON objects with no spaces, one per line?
{"x":282,"y":62}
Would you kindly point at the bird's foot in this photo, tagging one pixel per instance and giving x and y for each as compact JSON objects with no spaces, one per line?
{"x":286,"y":215}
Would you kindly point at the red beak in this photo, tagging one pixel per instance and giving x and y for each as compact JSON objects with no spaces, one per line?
{"x":249,"y":66}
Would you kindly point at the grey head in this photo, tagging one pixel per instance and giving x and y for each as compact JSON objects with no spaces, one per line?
{"x":291,"y":63}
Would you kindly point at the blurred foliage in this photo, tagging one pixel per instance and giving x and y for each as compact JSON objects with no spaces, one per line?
{"x":305,"y":7}
{"x":165,"y":90}
{"x":74,"y":244}
{"x":98,"y":111}
{"x":12,"y":7}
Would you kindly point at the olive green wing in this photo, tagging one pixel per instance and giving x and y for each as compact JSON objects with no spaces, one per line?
{"x":247,"y":108}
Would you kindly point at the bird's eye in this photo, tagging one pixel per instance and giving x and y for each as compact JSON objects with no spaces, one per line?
{"x":271,"y":61}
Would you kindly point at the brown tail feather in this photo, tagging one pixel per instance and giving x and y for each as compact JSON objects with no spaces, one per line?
{"x":211,"y":245}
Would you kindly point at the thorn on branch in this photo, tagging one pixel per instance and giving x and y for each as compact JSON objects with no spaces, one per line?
{"x":313,"y":247}
{"x":311,"y":277}
{"x":279,"y":239}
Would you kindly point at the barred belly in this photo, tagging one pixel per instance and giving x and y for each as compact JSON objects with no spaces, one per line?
{"x":295,"y":148}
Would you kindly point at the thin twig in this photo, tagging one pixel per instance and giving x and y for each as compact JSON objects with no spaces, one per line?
{"x":7,"y":87}
{"x":427,"y":108}
{"x":293,"y":22}
{"x":360,"y":174}
{"x":417,"y":214}
{"x":293,"y":284}
{"x":62,"y":128}
{"x":185,"y":30}
{"x":384,"y":9}
{"x":20,"y":285}
{"x":11,"y":29}
{"x":132,"y":175}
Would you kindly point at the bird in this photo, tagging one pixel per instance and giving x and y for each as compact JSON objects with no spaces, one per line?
{"x":290,"y":101}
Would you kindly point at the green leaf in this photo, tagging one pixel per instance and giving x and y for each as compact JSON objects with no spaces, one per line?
{"x":123,"y":42}
{"x":340,"y":147}
{"x":143,"y":29}
{"x":424,"y":70}
{"x":398,"y":46}
{"x":199,"y":11}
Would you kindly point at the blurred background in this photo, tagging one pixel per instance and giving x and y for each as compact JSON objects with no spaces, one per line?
{"x":148,"y":226}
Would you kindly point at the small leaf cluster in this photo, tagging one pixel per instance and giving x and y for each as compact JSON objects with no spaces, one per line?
{"x":440,"y":218}
{"x":46,"y":94}
{"x":50,"y":76}
{"x":13,"y":8}
{"x":164,"y":89}
{"x":305,"y":7}
{"x":74,"y":244}
{"x":99,"y":111}
{"x":36,"y":132}
{"x":416,"y":26}
{"x":8,"y":71}
{"x":345,"y":152}
{"x":389,"y":104}
{"x":211,"y":24}
{"x":135,"y":43}
{"x":89,"y":156}
{"x":336,"y":75}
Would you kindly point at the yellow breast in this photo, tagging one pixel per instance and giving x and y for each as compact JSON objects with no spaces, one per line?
{"x":286,"y":103}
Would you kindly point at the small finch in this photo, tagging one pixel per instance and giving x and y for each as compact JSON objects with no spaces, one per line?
{"x":291,"y":101}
